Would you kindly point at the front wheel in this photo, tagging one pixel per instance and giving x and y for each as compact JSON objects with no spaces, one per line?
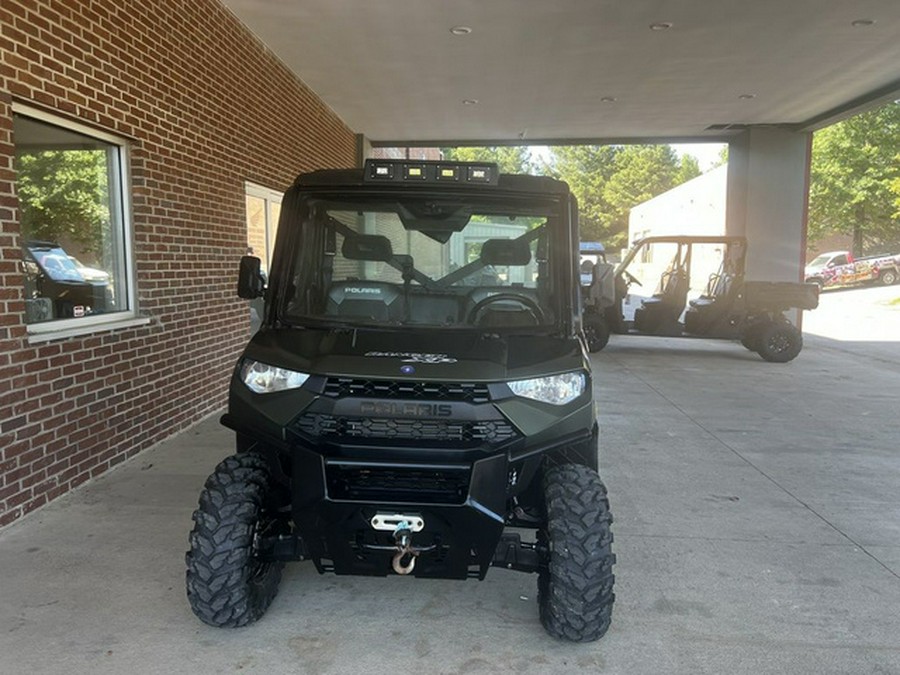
{"x":779,"y":342}
{"x":575,"y":583}
{"x":228,"y":585}
{"x":596,"y":332}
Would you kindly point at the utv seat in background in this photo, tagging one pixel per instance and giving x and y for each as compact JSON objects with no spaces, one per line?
{"x":659,"y":314}
{"x":705,"y":312}
{"x":372,"y":300}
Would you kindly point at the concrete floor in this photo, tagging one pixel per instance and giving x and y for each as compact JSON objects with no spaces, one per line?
{"x":757,"y":531}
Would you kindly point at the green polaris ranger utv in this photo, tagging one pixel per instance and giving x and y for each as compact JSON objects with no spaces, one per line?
{"x":418,"y":400}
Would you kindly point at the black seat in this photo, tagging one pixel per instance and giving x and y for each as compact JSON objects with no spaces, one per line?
{"x":706,"y":311}
{"x":371,"y":300}
{"x":659,"y":314}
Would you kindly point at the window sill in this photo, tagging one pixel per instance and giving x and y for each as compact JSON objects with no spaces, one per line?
{"x":44,"y":333}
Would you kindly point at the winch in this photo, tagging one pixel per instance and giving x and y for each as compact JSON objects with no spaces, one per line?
{"x":403,"y":527}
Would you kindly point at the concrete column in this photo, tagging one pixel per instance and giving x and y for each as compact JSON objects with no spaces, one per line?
{"x":768,"y":186}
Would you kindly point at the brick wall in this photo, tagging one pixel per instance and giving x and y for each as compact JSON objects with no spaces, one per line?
{"x":207,"y":107}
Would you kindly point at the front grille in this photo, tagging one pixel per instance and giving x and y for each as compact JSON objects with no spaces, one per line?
{"x":397,"y":484}
{"x":338,"y":428}
{"x":339,"y":387}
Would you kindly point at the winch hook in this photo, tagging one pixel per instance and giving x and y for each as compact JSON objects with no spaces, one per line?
{"x":403,"y":540}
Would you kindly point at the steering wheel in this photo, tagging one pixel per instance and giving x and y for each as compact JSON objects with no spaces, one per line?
{"x":630,"y":278}
{"x":526,"y":302}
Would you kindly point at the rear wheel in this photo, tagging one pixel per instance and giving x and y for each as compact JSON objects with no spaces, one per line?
{"x":779,"y":342}
{"x":575,"y":583}
{"x":228,"y":585}
{"x":596,"y":331}
{"x":888,"y":277}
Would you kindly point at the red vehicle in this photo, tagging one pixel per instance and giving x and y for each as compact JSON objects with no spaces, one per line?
{"x":838,"y":268}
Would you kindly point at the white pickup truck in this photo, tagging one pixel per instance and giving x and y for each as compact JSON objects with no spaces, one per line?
{"x":839,"y":268}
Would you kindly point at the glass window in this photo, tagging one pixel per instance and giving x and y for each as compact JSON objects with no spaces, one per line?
{"x":263,"y":211}
{"x":74,"y":232}
{"x":442,"y":264}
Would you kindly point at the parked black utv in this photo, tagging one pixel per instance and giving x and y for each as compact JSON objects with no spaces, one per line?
{"x":56,"y":288}
{"x":419,"y":386}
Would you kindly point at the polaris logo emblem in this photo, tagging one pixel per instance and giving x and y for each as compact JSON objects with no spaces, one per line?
{"x":362,"y":291}
{"x":406,"y":409}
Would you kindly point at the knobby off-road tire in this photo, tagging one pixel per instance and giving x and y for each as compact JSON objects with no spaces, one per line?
{"x":575,"y":587}
{"x":596,"y":332}
{"x":887,"y":278}
{"x":227,"y":585}
{"x":779,"y":342}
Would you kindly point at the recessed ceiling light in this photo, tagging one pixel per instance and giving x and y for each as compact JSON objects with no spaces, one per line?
{"x":661,"y":25}
{"x":862,"y":22}
{"x":746,"y":97}
{"x":607,"y":99}
{"x":470,"y":101}
{"x":461,"y":30}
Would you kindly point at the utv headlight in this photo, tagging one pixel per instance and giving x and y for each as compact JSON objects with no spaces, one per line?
{"x":556,"y":389}
{"x":265,"y":379}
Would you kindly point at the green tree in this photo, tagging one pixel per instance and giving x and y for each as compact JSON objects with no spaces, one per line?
{"x":688,"y":169}
{"x":641,"y":173}
{"x":63,"y":196}
{"x":610,"y":180}
{"x":723,"y":157}
{"x":587,"y":169}
{"x":607,"y":180}
{"x":855,"y":180}
{"x":510,"y":159}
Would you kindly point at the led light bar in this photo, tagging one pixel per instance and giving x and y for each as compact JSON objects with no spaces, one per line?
{"x":387,"y":170}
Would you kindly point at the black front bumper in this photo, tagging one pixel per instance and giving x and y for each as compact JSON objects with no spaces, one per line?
{"x":463,"y":507}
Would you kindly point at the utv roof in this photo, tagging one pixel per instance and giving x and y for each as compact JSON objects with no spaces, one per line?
{"x":429,"y":175}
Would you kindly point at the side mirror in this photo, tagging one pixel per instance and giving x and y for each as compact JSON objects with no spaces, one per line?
{"x":251,"y":284}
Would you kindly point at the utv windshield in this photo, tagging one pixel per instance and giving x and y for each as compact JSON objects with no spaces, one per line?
{"x":55,"y":263}
{"x":423,"y":262}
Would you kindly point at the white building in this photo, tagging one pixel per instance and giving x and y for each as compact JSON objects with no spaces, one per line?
{"x":693,"y":208}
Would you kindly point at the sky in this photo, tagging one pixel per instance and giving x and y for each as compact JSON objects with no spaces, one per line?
{"x":707,"y":154}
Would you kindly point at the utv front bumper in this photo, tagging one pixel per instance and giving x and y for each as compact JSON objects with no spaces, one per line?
{"x":461,"y":506}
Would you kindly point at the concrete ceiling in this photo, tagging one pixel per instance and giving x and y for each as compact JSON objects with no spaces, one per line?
{"x":544,"y":70}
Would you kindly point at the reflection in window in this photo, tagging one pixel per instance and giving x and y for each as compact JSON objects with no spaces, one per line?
{"x":74,"y":242}
{"x":263,"y":211}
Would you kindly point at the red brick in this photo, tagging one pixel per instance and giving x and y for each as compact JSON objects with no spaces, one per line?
{"x":201,"y":122}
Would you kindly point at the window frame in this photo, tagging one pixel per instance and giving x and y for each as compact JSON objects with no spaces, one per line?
{"x":269,"y":197}
{"x":120,"y":204}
